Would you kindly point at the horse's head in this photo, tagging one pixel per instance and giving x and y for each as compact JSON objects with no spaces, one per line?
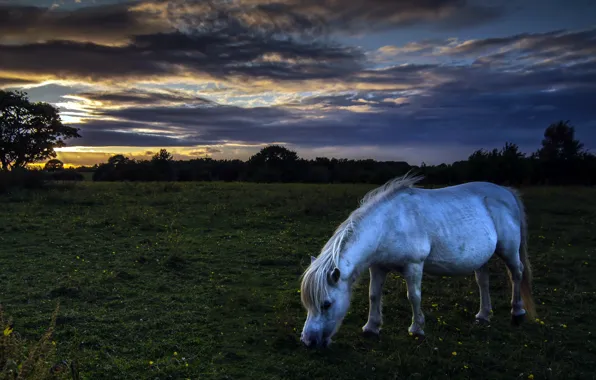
{"x":326,"y":297}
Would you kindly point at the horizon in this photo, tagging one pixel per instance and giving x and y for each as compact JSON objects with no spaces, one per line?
{"x":391,"y":81}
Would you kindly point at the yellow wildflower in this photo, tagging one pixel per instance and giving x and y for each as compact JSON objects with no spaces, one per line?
{"x":454,"y":353}
{"x":7,"y":331}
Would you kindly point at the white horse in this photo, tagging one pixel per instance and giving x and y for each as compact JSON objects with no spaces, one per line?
{"x":449,"y":231}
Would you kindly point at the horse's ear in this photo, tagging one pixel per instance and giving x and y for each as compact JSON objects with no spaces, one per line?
{"x":334,"y":277}
{"x":312,"y":259}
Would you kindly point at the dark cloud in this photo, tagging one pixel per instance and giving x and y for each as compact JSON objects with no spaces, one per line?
{"x":470,"y":105}
{"x":123,"y":133}
{"x":447,"y":116}
{"x":204,"y":152}
{"x":124,"y":42}
{"x":522,"y":52}
{"x":137,"y":97}
{"x":578,"y":41}
{"x":546,"y":49}
{"x":110,"y":23}
{"x":410,"y":75}
{"x":283,"y":40}
{"x":13,"y":82}
{"x":201,"y":116}
{"x":78,"y":61}
{"x":222,"y":54}
{"x":355,"y":16}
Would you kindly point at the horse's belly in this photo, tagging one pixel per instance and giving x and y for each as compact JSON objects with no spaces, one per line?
{"x":460,"y":258}
{"x":444,"y":268}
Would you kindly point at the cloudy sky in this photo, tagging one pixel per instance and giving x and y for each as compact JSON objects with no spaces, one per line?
{"x":414,"y":80}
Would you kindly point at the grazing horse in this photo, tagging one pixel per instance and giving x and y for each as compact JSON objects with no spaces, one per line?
{"x":451,"y":231}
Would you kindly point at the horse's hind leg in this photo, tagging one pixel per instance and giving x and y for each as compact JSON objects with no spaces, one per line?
{"x":375,"y":292}
{"x":516,"y":269}
{"x":482,"y":279}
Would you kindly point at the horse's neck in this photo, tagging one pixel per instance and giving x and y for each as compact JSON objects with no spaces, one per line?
{"x":357,"y":257}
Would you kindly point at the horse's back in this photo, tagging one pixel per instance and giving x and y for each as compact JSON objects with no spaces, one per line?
{"x":500,"y":201}
{"x":480,"y":188}
{"x":483,"y":199}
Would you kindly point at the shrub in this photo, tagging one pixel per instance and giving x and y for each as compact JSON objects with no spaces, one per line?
{"x":22,"y":179}
{"x":66,"y":175}
{"x":20,"y":359}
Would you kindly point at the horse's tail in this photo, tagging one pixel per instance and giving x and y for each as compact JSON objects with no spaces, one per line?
{"x":526,"y":282}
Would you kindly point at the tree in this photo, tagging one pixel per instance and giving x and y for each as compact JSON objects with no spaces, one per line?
{"x":560,"y":154}
{"x":274,"y":163}
{"x":162,"y":166}
{"x":118,"y":160}
{"x":53,"y":165}
{"x":511,"y":151}
{"x":29,"y":131}
{"x":513,"y":166}
{"x":559,"y":143}
{"x":162,"y":156}
{"x":274,"y":154}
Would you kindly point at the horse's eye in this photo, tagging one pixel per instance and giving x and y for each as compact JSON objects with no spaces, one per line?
{"x":326,"y":305}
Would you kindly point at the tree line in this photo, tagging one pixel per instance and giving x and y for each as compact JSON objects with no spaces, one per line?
{"x":561,"y":160}
{"x":29,"y":132}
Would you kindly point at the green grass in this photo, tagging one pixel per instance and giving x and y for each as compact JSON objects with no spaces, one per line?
{"x":202,"y":280}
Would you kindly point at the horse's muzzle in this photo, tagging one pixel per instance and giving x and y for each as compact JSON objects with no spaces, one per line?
{"x":314,"y":341}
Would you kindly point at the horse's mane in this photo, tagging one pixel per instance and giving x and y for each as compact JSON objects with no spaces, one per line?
{"x":313,"y":289}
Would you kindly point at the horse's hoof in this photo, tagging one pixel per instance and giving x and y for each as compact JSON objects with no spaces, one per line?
{"x":517,"y":320}
{"x":371,"y":331}
{"x":481,"y":322}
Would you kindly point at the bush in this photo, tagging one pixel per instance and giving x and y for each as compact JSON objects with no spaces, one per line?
{"x":66,"y":175}
{"x":20,"y":359}
{"x":22,"y":179}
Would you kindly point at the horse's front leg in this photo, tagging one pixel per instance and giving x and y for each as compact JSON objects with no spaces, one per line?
{"x":482,"y":279}
{"x":413,"y":276}
{"x":378,"y":275}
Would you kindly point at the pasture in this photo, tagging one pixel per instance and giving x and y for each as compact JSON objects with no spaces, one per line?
{"x":201,"y":280}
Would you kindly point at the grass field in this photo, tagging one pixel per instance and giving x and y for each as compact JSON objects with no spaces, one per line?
{"x":200,"y":280}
